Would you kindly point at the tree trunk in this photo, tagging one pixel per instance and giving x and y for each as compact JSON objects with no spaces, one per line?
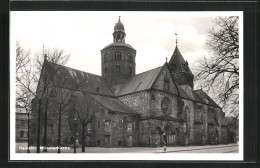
{"x":83,"y":138}
{"x":45,"y":128}
{"x":59,"y":130}
{"x":28,"y":133}
{"x":39,"y":124}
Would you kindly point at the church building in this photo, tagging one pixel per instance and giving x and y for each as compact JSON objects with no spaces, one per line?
{"x":122,"y":108}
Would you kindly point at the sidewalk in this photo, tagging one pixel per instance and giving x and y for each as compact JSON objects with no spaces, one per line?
{"x":227,"y":148}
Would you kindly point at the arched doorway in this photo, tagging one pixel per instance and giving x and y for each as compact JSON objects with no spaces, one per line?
{"x":169,"y":134}
{"x":119,"y":143}
{"x":159,"y":136}
{"x":217,"y":137}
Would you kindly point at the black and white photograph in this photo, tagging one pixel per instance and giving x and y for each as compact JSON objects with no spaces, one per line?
{"x":126,"y":85}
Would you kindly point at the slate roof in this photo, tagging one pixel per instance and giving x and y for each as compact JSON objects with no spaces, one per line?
{"x":197,"y":97}
{"x":204,"y":95}
{"x":85,"y":81}
{"x":138,"y":82}
{"x":113,"y":104}
{"x":178,"y":61}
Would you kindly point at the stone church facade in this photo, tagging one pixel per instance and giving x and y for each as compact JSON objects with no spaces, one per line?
{"x":146,"y":109}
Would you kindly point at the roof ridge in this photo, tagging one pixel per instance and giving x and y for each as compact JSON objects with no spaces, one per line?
{"x":148,"y":70}
{"x":74,"y":69}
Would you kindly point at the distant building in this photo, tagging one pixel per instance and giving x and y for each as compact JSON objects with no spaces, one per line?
{"x":143,"y":109}
{"x":21,"y":124}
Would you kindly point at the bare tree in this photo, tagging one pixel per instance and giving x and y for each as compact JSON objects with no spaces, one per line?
{"x":24,"y":80}
{"x":63,"y":90}
{"x":232,"y":124}
{"x":85,"y":108}
{"x":41,"y":74}
{"x":219,"y":74}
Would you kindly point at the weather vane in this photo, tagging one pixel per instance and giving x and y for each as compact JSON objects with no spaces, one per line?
{"x":176,"y":38}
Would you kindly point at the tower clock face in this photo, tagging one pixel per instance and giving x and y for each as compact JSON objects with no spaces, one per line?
{"x":166,"y":105}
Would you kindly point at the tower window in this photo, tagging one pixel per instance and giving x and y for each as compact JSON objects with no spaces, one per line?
{"x":105,"y":70}
{"x":118,"y":55}
{"x":130,"y":57}
{"x":130,"y":71}
{"x":105,"y":58}
{"x":117,"y":68}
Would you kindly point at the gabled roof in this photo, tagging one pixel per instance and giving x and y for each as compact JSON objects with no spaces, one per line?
{"x":138,"y":82}
{"x":82,"y":80}
{"x":178,"y":62}
{"x":204,"y":97}
{"x":113,"y":104}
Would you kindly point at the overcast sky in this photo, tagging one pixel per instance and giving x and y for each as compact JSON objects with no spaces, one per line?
{"x":84,"y":34}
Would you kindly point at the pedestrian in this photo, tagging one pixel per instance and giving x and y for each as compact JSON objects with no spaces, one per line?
{"x":164,"y":147}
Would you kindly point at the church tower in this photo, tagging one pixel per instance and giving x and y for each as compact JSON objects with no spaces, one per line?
{"x":118,"y":58}
{"x":180,"y":68}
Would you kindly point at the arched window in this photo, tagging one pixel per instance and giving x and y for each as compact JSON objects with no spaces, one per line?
{"x":89,"y":128}
{"x":168,"y":129}
{"x":118,"y":55}
{"x":152,"y":97}
{"x":119,"y":143}
{"x":21,"y":134}
{"x":117,"y":68}
{"x":75,"y":116}
{"x":105,"y":70}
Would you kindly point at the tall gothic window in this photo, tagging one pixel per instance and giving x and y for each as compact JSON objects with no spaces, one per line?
{"x":166,"y":84}
{"x":118,"y":55}
{"x":187,"y":119}
{"x":98,"y":124}
{"x":121,"y":123}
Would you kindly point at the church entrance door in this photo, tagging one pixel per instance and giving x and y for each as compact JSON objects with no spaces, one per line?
{"x":107,"y":141}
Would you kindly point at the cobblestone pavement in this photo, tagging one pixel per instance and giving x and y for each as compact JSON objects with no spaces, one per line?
{"x":227,"y":148}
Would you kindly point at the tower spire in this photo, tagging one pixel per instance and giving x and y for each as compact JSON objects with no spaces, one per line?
{"x":119,"y":19}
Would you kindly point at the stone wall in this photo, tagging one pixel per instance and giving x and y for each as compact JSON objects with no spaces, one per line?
{"x":138,"y":102}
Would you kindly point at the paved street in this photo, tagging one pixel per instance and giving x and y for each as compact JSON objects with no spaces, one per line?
{"x":228,"y":148}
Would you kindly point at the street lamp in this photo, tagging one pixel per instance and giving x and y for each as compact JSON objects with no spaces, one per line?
{"x":75,"y":119}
